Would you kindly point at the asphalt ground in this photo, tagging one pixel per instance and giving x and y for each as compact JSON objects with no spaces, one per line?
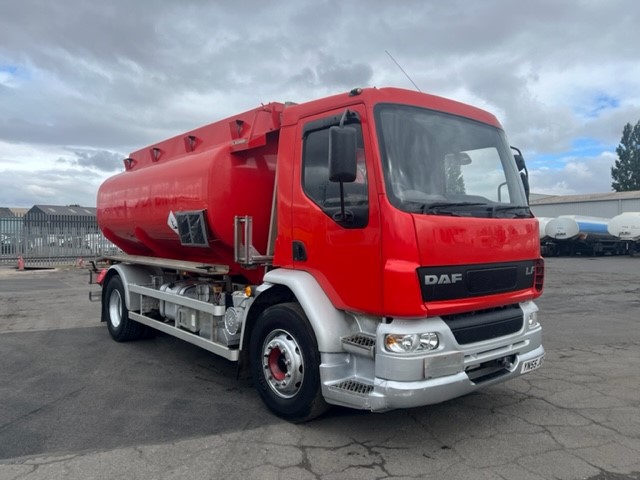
{"x":76,"y":405}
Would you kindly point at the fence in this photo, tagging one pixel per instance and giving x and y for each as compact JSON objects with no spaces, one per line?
{"x":44,"y":240}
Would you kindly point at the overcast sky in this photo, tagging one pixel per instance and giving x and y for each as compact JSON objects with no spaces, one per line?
{"x":83,"y":83}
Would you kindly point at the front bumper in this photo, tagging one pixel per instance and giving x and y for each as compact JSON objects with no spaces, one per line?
{"x":389,"y":395}
{"x":387,"y":381}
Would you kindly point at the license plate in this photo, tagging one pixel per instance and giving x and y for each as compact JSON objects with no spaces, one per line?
{"x":532,"y":364}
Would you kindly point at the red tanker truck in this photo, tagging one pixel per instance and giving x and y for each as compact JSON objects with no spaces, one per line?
{"x":373,"y":249}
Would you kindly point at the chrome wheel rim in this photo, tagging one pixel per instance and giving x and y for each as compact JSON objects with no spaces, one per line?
{"x":282,"y":363}
{"x":115,"y":309}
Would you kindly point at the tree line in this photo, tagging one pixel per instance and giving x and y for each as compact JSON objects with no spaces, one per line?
{"x":626,"y":169}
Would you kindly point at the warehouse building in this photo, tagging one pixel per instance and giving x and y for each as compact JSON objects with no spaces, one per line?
{"x":50,"y":234}
{"x":605,"y":205}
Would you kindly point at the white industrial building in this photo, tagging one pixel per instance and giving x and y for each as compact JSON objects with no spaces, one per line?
{"x":605,"y":205}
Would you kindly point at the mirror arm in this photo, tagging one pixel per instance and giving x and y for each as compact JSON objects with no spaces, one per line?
{"x":522,"y":168}
{"x":342,"y":214}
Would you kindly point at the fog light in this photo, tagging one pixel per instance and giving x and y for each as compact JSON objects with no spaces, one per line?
{"x":411,"y":343}
{"x":532,"y":320}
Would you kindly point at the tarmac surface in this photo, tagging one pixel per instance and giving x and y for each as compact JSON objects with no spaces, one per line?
{"x":76,"y":405}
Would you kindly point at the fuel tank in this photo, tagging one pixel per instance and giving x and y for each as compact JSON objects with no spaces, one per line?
{"x":177,"y":199}
{"x":625,"y":226}
{"x":577,"y":227}
{"x":542,"y":225}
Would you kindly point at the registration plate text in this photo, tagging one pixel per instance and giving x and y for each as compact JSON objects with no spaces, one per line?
{"x":532,"y":364}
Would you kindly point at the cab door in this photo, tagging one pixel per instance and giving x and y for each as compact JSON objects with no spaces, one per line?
{"x":342,"y":252}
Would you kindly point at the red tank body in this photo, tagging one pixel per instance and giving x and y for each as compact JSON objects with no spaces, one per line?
{"x":215,"y":172}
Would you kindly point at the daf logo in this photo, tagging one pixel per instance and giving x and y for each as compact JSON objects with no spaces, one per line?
{"x":443,"y":279}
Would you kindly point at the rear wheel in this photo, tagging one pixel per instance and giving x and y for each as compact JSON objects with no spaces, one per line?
{"x":285,"y":363}
{"x":121,"y":327}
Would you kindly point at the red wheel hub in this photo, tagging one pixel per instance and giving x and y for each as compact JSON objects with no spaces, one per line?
{"x":276,"y":362}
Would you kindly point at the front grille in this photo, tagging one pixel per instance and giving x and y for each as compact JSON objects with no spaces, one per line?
{"x":492,"y":280}
{"x":482,"y":325}
{"x":449,"y":282}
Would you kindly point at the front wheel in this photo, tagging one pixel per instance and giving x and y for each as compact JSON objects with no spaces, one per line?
{"x":121,"y":327}
{"x":285,"y":363}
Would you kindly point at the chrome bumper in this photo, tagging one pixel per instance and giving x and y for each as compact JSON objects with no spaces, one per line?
{"x":386,"y":381}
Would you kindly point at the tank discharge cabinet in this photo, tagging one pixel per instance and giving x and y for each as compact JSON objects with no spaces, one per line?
{"x":373,"y":249}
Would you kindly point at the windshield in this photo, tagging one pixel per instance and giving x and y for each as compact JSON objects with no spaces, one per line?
{"x":436,"y":163}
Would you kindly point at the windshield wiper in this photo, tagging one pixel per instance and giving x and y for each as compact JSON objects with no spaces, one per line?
{"x":458,"y":209}
{"x":449,"y":208}
{"x":526,"y":212}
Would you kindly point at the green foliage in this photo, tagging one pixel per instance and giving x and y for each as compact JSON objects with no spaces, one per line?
{"x":626,"y":170}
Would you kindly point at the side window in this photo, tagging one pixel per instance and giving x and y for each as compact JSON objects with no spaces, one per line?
{"x":326,"y":194}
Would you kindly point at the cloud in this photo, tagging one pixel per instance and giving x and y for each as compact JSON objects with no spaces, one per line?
{"x":85,"y":82}
{"x":50,"y":186}
{"x":103,"y":161}
{"x":574,"y":176}
{"x":342,"y":74}
{"x":64,"y":175}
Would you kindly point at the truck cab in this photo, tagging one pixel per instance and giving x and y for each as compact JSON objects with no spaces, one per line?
{"x":437,"y":240}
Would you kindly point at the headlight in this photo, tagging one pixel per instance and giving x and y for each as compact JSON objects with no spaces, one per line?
{"x":532,"y":320}
{"x":411,"y":343}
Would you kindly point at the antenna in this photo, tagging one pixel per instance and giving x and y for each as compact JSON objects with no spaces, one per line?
{"x":402,"y":70}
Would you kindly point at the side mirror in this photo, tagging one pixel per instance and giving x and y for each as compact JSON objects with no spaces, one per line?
{"x":522,"y":168}
{"x":342,"y":154}
{"x":519,"y":158}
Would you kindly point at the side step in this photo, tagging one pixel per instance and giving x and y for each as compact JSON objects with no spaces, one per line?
{"x":360,"y":344}
{"x":353,"y":386}
{"x":354,"y":390}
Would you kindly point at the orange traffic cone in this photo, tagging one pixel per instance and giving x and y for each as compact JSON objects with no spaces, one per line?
{"x":20,"y":262}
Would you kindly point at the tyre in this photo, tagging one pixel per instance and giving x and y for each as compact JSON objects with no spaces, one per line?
{"x":121,"y":327}
{"x":285,"y":363}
